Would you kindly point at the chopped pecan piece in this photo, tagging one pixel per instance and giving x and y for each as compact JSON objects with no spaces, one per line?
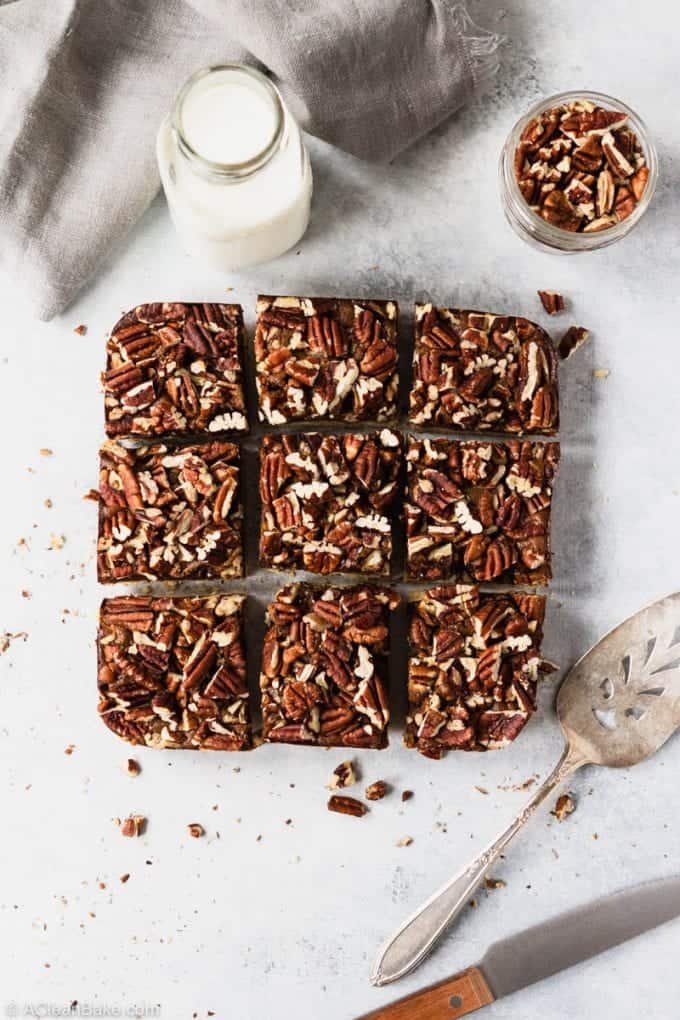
{"x":474,"y":663}
{"x":324,"y":666}
{"x":327,"y":501}
{"x":564,"y":806}
{"x":482,"y":372}
{"x":172,"y":671}
{"x":577,"y":162}
{"x":169,"y":512}
{"x":133,"y":826}
{"x":376,"y":791}
{"x":343,"y":776}
{"x":551,"y":301}
{"x":195,"y":830}
{"x":479,"y":511}
{"x":346,"y":806}
{"x":175,"y":368}
{"x":326,"y":359}
{"x":574,"y":338}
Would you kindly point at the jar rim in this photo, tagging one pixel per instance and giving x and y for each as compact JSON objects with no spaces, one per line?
{"x":213,"y":168}
{"x":556,"y":237}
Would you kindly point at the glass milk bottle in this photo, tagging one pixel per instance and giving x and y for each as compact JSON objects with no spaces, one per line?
{"x":235,"y":171}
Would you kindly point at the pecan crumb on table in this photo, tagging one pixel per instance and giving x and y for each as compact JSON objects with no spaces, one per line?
{"x":581,"y":167}
{"x":574,"y":338}
{"x":474,"y":663}
{"x":331,"y":359}
{"x":478,"y":371}
{"x":551,"y":301}
{"x":172,"y":671}
{"x":478,"y":510}
{"x":175,"y":368}
{"x":326,"y":501}
{"x":324,"y":666}
{"x":169,"y":512}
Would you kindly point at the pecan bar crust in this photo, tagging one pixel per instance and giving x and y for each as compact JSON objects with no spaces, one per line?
{"x":326,"y":501}
{"x":175,"y":368}
{"x":169,"y":512}
{"x":479,"y":511}
{"x":172,"y":672}
{"x":326,"y":359}
{"x":324,"y":666}
{"x":474,"y":662}
{"x":481,"y":372}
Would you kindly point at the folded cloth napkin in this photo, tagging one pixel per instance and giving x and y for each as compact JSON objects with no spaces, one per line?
{"x":86,"y":83}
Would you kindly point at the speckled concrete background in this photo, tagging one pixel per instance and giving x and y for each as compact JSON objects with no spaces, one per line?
{"x":288,"y":925}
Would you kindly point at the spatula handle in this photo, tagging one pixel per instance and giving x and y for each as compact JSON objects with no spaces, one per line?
{"x":416,"y":937}
{"x":448,"y":1000}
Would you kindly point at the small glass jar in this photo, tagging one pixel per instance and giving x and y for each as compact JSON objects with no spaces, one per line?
{"x":528,"y":225}
{"x":235,"y":171}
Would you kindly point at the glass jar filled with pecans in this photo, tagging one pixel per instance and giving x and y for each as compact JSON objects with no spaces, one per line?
{"x":577,"y":172}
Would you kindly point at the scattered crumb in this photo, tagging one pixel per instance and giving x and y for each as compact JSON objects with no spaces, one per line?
{"x":195,"y":830}
{"x":134,"y":825}
{"x":81,"y":330}
{"x":473,"y":903}
{"x":494,"y":883}
{"x":482,"y":789}
{"x":7,"y":638}
{"x":124,"y":877}
{"x":406,"y":795}
{"x":25,"y":594}
{"x":595,"y":835}
{"x":70,"y":749}
{"x":404,"y":841}
{"x":45,"y":451}
{"x":342,"y":777}
{"x":564,"y":806}
{"x":48,"y":504}
{"x":132,"y":767}
{"x":92,"y":494}
{"x":551,"y":301}
{"x":56,"y":542}
{"x":376,"y":791}
{"x":600,"y":373}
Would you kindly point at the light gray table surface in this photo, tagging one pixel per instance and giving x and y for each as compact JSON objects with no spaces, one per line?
{"x":288,"y":925}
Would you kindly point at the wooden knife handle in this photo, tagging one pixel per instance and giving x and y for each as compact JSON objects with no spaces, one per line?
{"x":454,"y":997}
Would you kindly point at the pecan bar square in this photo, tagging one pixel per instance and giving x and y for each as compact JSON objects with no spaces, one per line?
{"x":326,"y":501}
{"x":175,"y":368}
{"x":172,"y":671}
{"x":324,"y":666}
{"x":482,"y":372}
{"x":326,"y":359}
{"x":169,"y":512}
{"x":479,"y":511}
{"x":474,"y":662}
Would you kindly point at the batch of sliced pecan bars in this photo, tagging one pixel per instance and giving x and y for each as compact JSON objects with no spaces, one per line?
{"x":172,"y":669}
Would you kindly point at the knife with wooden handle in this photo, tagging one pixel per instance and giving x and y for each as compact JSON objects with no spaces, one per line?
{"x":537,"y":953}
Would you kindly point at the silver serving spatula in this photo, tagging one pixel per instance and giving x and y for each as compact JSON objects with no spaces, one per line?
{"x":617,"y":705}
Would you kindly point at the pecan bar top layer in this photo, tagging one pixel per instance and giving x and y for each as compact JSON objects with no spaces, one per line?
{"x":172,"y":672}
{"x":169,"y":512}
{"x":175,"y":368}
{"x":324,"y":666}
{"x":326,"y":501}
{"x":474,"y":662}
{"x":480,"y":511}
{"x":326,"y":359}
{"x":482,"y":372}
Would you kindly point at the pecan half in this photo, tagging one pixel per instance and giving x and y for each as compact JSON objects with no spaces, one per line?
{"x":346,"y":806}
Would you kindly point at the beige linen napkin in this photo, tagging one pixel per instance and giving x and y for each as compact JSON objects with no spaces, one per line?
{"x":84,"y":85}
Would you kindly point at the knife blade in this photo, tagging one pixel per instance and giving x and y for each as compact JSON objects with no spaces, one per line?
{"x":541,"y":951}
